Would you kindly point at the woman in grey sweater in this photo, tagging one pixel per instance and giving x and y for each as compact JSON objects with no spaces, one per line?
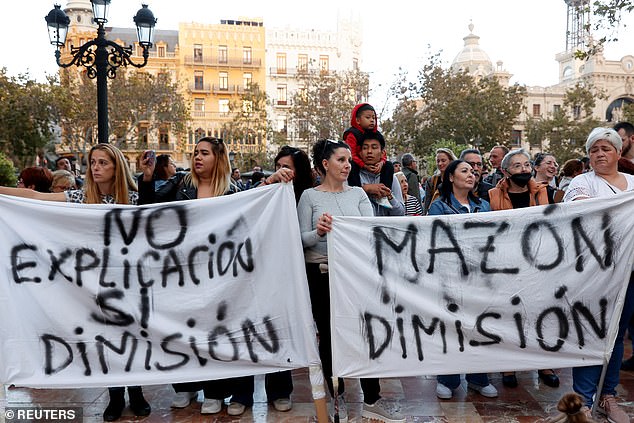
{"x":315,"y":210}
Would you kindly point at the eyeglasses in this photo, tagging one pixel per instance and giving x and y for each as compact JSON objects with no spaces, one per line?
{"x":518,"y":166}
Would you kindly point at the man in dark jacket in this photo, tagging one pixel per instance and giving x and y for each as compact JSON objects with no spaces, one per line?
{"x":410,"y":171}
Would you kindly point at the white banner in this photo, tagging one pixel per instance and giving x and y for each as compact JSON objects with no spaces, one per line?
{"x":534,"y":288}
{"x":101,"y":295}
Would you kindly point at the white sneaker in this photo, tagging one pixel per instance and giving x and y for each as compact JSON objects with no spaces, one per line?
{"x":183,"y":399}
{"x":443,"y":392}
{"x":377,"y":411}
{"x":211,"y":406}
{"x":235,"y":408}
{"x":488,"y":391}
{"x":283,"y":404}
{"x":343,"y":410}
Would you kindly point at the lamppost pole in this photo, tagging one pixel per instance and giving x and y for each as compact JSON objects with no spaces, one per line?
{"x":100,"y":56}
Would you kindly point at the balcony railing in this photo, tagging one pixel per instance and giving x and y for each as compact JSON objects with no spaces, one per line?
{"x":215,"y":61}
{"x":228,"y":89}
{"x":199,"y":88}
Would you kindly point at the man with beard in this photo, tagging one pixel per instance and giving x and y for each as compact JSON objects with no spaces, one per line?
{"x":626,"y":162}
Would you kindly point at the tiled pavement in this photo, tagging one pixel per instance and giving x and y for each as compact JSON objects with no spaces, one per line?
{"x":414,"y":396}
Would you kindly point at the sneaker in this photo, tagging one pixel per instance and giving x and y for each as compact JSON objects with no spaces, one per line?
{"x":343,"y":410}
{"x":377,"y":411}
{"x":235,"y":408}
{"x":443,"y":392}
{"x":183,"y":399}
{"x":611,"y":410}
{"x":211,"y":406}
{"x":283,"y":404}
{"x":488,"y":391}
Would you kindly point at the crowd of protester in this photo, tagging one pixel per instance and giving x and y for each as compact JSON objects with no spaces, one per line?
{"x":353,"y":177}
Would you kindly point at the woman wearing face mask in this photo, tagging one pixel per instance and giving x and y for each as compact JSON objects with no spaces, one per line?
{"x":516,"y":190}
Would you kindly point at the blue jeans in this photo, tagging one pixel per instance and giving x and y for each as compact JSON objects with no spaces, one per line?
{"x":453,"y":381}
{"x":586,"y":379}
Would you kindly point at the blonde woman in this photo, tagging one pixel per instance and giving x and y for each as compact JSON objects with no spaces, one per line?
{"x":63,"y":180}
{"x":108,"y":181}
{"x":209,"y":177}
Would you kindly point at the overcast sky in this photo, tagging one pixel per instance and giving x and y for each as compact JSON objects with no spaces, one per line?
{"x":525,"y":35}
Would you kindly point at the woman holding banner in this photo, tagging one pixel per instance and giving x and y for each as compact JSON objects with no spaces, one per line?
{"x":315,"y":210}
{"x":210,"y":177}
{"x":516,"y":190}
{"x":108,"y":181}
{"x":604,"y":147}
{"x":291,"y":164}
{"x":456,"y":197}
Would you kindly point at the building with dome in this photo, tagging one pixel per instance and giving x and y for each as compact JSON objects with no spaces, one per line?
{"x":615,"y":78}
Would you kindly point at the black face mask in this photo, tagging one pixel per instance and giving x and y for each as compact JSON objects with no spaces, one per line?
{"x":521,"y":179}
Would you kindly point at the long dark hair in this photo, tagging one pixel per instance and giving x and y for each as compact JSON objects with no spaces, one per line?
{"x":160,"y":171}
{"x":446,"y":187}
{"x":303,"y":173}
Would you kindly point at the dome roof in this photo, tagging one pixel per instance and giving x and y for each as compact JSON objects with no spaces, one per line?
{"x":79,"y":5}
{"x":472,"y":58}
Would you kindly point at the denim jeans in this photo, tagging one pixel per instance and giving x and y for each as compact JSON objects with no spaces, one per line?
{"x":585,"y":380}
{"x":453,"y":381}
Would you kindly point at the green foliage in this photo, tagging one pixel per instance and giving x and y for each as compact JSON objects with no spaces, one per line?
{"x":443,"y":105}
{"x":606,"y":23}
{"x":564,"y":132}
{"x":7,"y":172}
{"x":26,"y":117}
{"x":322,"y":108}
{"x":134,"y":98}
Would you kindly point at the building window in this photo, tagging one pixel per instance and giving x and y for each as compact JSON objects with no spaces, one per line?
{"x":223,"y":80}
{"x":223,"y":107}
{"x":143,"y":134}
{"x":576,"y":112}
{"x":557,"y":108}
{"x":198,"y":80}
{"x":355,"y":65}
{"x":516,"y":137}
{"x":164,"y":137}
{"x":302,"y":63}
{"x":247,"y":79}
{"x":222,"y":54}
{"x":199,"y":107}
{"x":161,"y":51}
{"x":281,"y":95}
{"x":198,"y":53}
{"x":247,"y":57}
{"x":198,"y":134}
{"x":537,"y":110}
{"x":324,"y":64}
{"x":281,"y":62}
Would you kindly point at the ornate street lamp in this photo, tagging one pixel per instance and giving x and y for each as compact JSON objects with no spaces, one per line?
{"x":101,"y":57}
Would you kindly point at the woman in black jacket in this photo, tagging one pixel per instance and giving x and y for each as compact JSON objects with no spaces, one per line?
{"x":209,"y":177}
